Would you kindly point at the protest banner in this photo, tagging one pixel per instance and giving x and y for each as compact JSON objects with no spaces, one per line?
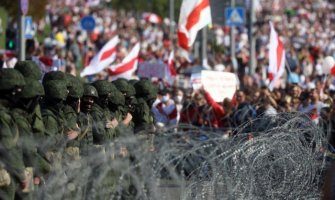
{"x":219,"y":84}
{"x":150,"y":70}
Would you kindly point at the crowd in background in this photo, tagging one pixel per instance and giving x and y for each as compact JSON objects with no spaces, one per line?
{"x":306,"y":27}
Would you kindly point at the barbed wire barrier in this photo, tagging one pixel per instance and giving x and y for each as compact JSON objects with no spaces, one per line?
{"x":278,"y":157}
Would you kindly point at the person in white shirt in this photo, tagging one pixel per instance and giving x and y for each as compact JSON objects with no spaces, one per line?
{"x":164,"y":110}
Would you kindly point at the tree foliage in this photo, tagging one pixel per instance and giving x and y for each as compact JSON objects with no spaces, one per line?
{"x":160,"y":7}
{"x":36,"y":8}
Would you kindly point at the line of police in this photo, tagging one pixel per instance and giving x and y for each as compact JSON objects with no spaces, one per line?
{"x":45,"y":126}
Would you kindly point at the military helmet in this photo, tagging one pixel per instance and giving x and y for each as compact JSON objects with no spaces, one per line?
{"x":145,"y":89}
{"x":131,"y":90}
{"x":117,"y":98}
{"x":90,"y":91}
{"x":10,"y":78}
{"x":132,"y":82}
{"x":123,"y":86}
{"x":55,"y":89}
{"x":56,"y":75}
{"x":76,"y":89}
{"x":29,"y":69}
{"x":32,"y":88}
{"x":103,"y":87}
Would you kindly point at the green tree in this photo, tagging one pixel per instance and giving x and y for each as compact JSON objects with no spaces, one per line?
{"x":36,"y":8}
{"x":161,"y":7}
{"x":3,"y":25}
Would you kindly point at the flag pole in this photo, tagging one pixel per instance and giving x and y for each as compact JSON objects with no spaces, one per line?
{"x":171,"y":7}
{"x":288,"y":68}
{"x":22,"y":41}
{"x":232,"y":41}
{"x":252,"y":42}
{"x":204,"y":47}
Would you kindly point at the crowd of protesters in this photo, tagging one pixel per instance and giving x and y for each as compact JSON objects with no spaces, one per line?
{"x":306,"y":27}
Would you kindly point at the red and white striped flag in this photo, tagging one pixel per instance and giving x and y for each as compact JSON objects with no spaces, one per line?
{"x":194,"y":15}
{"x":128,"y":65}
{"x":152,"y":18}
{"x":103,"y":59}
{"x":276,"y":58}
{"x":170,"y":70}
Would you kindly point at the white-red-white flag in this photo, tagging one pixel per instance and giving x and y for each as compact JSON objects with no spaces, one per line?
{"x":194,"y":15}
{"x":103,"y":59}
{"x":170,"y":70}
{"x":128,"y":65}
{"x":276,"y":58}
{"x":152,"y":18}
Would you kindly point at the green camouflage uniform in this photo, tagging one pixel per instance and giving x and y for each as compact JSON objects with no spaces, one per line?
{"x":30,"y":155}
{"x":75,"y":175}
{"x":71,"y":122}
{"x":29,"y":100}
{"x":56,"y":86}
{"x":76,"y":91}
{"x":11,"y":154}
{"x":101,"y":113}
{"x":37,"y":124}
{"x":85,"y":122}
{"x":71,"y":117}
{"x":128,"y":90}
{"x":30,"y":70}
{"x":146,"y":94}
{"x":10,"y":151}
{"x":55,"y":138}
{"x":88,"y":149}
{"x":116,"y":107}
{"x":115,"y":103}
{"x":68,"y":81}
{"x":52,"y":114}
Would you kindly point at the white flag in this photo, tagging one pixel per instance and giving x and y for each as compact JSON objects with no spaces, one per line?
{"x":194,"y":15}
{"x":103,"y":59}
{"x":128,"y":65}
{"x":276,"y":58}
